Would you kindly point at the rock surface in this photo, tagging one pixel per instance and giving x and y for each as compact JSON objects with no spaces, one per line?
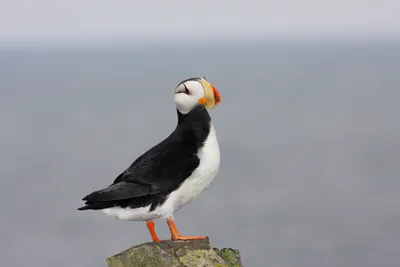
{"x":197,"y":253}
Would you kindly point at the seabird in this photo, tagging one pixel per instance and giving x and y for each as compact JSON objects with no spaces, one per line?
{"x":174,"y":172}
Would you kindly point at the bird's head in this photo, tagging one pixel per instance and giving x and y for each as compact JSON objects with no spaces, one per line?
{"x":193,"y":92}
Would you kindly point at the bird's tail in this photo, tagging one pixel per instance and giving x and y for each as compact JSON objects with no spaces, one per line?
{"x":96,"y":206}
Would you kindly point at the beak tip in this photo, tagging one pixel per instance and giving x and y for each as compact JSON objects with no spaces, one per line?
{"x":217,"y":96}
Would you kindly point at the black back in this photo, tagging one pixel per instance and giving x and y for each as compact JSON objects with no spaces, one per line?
{"x":160,"y":170}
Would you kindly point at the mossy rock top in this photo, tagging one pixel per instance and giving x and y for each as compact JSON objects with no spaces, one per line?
{"x":195,"y":253}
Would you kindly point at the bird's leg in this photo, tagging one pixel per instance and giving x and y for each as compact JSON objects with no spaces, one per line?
{"x":150,"y":226}
{"x":175,"y":234}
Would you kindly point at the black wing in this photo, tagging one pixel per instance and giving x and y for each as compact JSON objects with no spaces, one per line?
{"x":161,"y":169}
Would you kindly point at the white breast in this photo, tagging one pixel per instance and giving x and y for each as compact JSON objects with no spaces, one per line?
{"x":190,"y":189}
{"x":201,"y":178}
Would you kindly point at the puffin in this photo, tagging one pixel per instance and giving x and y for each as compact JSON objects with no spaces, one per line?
{"x":172,"y":173}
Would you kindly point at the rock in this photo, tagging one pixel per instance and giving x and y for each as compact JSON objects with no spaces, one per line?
{"x":195,"y":253}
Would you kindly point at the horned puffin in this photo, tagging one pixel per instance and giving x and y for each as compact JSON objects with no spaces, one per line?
{"x":172,"y":173}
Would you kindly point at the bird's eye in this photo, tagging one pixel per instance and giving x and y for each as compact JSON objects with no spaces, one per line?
{"x":187,"y":90}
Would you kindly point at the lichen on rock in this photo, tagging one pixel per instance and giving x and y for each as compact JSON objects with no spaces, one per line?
{"x":196,"y":253}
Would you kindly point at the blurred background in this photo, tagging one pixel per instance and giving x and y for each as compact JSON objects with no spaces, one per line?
{"x":308,"y":127}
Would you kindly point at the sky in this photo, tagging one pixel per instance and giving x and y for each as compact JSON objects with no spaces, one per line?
{"x":180,"y":19}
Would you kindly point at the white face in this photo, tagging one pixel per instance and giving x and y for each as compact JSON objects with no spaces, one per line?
{"x":188,"y":94}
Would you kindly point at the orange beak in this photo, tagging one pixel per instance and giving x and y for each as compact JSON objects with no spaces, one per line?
{"x":211,"y":95}
{"x":217,"y":96}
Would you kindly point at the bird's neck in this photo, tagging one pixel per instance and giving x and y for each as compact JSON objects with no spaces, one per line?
{"x":197,"y":115}
{"x":194,"y":127}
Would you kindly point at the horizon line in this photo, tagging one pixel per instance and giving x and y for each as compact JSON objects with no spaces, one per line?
{"x":201,"y":40}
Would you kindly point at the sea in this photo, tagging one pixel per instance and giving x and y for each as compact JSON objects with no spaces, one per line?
{"x":309,"y":133}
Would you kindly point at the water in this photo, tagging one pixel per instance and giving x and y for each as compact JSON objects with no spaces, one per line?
{"x":309,"y":136}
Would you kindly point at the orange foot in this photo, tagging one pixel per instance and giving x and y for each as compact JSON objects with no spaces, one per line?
{"x":150,"y":226}
{"x":175,"y":234}
{"x":188,"y":237}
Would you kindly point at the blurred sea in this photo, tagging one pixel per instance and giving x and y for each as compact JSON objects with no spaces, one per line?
{"x":309,"y":134}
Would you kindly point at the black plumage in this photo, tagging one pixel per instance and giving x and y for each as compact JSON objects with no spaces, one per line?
{"x":160,"y":170}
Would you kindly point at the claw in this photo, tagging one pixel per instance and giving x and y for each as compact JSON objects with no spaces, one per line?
{"x":175,"y":234}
